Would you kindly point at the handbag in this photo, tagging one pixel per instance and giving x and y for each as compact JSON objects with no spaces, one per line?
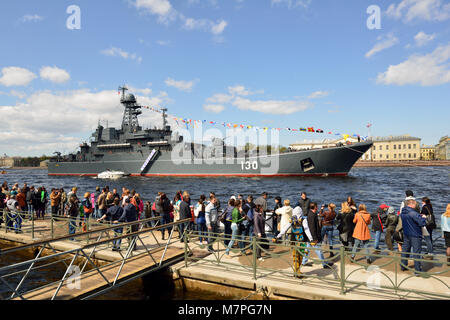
{"x":430,"y":220}
{"x":398,"y":236}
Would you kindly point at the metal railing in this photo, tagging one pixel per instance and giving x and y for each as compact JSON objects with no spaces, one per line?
{"x":104,"y":237}
{"x":54,"y":226}
{"x":341,"y":276}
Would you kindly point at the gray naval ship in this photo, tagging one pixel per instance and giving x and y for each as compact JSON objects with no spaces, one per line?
{"x":157,"y":152}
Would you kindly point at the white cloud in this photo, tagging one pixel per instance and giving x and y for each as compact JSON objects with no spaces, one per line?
{"x":18,"y":94}
{"x":162,"y":8}
{"x":240,"y":90}
{"x":237,"y":97}
{"x":54,"y":121}
{"x":163,"y":42}
{"x":208,"y":25}
{"x":428,"y":10}
{"x":54,"y":74}
{"x":16,"y":76}
{"x":118,"y":52}
{"x":180,"y":85}
{"x":219,"y":27}
{"x":426,"y":70}
{"x":292,"y":3}
{"x":318,"y":94}
{"x":383,"y":43}
{"x":271,"y":106}
{"x":220,"y":98}
{"x":422,"y":38}
{"x":31,"y":18}
{"x":216,"y":108}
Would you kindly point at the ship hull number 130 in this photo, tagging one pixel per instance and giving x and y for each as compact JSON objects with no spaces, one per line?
{"x":249,"y":165}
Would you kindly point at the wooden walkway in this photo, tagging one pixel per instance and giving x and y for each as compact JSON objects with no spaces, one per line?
{"x":92,"y":281}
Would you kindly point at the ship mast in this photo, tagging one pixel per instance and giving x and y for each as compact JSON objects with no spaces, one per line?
{"x":130,"y":121}
{"x":164,"y":118}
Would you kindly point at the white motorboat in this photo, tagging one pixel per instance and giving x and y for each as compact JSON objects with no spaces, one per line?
{"x":110,"y":174}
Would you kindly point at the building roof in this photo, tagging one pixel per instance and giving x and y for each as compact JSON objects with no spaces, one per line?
{"x":395,"y":138}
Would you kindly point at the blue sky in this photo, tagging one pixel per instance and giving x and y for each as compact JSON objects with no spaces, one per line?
{"x":275,"y":63}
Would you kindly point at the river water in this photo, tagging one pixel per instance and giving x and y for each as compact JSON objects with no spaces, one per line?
{"x":371,"y":186}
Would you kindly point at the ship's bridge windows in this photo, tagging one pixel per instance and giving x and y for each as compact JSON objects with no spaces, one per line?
{"x":307,"y":164}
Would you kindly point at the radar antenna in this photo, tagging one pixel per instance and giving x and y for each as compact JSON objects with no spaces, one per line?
{"x":132,"y":110}
{"x":164,"y":115}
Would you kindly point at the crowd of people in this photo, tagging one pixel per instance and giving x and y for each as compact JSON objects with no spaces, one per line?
{"x":305,"y":225}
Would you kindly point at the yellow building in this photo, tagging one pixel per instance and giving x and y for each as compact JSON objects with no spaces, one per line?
{"x":394,"y":148}
{"x":427,"y":152}
{"x":443,"y":149}
{"x":6,"y":162}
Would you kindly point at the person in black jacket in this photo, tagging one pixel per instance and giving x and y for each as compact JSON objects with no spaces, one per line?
{"x":378,"y":223}
{"x":427,"y":210}
{"x":130,"y":214}
{"x":73,"y":212}
{"x":316,"y":239}
{"x":185,"y":213}
{"x":113,"y":214}
{"x":259,"y":228}
{"x":346,"y":225}
{"x":303,"y":203}
{"x":274,"y":216}
{"x":165,"y":213}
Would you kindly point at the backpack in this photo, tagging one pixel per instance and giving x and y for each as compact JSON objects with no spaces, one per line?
{"x":250,"y":213}
{"x":66,"y":208}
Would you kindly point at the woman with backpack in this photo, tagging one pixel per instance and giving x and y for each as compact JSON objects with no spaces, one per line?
{"x":427,"y":211}
{"x":361,"y":232}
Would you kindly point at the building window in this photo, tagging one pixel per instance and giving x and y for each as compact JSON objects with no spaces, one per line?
{"x":387,"y":156}
{"x":395,"y":146}
{"x":409,"y":155}
{"x":395,"y":155}
{"x":399,"y":146}
{"x":374,"y":156}
{"x":387,"y":147}
{"x":414,"y":155}
{"x":409,"y":146}
{"x":404,"y":146}
{"x":414,"y":145}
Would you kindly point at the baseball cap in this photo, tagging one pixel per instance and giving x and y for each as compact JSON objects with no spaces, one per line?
{"x":384,"y":206}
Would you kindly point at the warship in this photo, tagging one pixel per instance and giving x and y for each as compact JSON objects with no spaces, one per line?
{"x":157,"y":152}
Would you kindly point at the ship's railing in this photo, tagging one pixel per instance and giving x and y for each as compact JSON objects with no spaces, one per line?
{"x":383,"y":276}
{"x":19,"y":278}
